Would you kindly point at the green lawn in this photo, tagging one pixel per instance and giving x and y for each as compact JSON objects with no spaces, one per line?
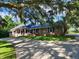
{"x":6,"y":50}
{"x":73,"y":32}
{"x":49,"y":38}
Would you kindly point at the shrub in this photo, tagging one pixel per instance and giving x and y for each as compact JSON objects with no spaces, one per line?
{"x":4,"y":33}
{"x":48,"y":38}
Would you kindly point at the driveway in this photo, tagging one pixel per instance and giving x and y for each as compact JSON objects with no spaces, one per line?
{"x":33,"y":49}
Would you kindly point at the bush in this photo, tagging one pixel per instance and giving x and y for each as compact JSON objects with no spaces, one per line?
{"x":4,"y":33}
{"x":48,"y":38}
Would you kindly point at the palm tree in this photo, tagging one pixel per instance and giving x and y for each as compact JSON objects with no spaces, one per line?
{"x":10,"y":24}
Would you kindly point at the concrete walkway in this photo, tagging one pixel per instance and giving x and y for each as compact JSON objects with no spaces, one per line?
{"x":33,"y":49}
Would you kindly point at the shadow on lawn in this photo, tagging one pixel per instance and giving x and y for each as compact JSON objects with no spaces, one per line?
{"x":6,"y":50}
{"x":3,"y":42}
{"x":8,"y":55}
{"x":33,"y":49}
{"x":7,"y":46}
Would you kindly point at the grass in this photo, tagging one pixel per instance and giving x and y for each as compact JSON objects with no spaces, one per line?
{"x":49,"y":38}
{"x":6,"y":50}
{"x":74,"y":32}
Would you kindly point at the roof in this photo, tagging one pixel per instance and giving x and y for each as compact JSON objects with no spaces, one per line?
{"x":30,"y":26}
{"x":40,"y":26}
{"x":19,"y":26}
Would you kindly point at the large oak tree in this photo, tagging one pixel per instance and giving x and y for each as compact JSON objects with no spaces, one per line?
{"x":57,"y":6}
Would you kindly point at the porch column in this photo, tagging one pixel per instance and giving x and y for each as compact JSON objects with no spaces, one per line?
{"x":12,"y":33}
{"x":20,"y":33}
{"x":33,"y":31}
{"x":24,"y":31}
{"x":39,"y":31}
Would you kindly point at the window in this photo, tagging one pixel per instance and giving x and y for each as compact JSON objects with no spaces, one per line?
{"x":22,"y":31}
{"x":31,"y":31}
{"x":50,"y":29}
{"x":37,"y":30}
{"x":18,"y":31}
{"x":26,"y":31}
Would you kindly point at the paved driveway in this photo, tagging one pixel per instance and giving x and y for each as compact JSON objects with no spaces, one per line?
{"x":32,"y":49}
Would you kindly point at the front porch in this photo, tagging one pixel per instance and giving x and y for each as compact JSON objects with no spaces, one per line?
{"x":34,"y":32}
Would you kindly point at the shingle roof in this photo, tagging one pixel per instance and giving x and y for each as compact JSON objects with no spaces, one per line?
{"x":19,"y":26}
{"x":40,"y":26}
{"x":30,"y":26}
